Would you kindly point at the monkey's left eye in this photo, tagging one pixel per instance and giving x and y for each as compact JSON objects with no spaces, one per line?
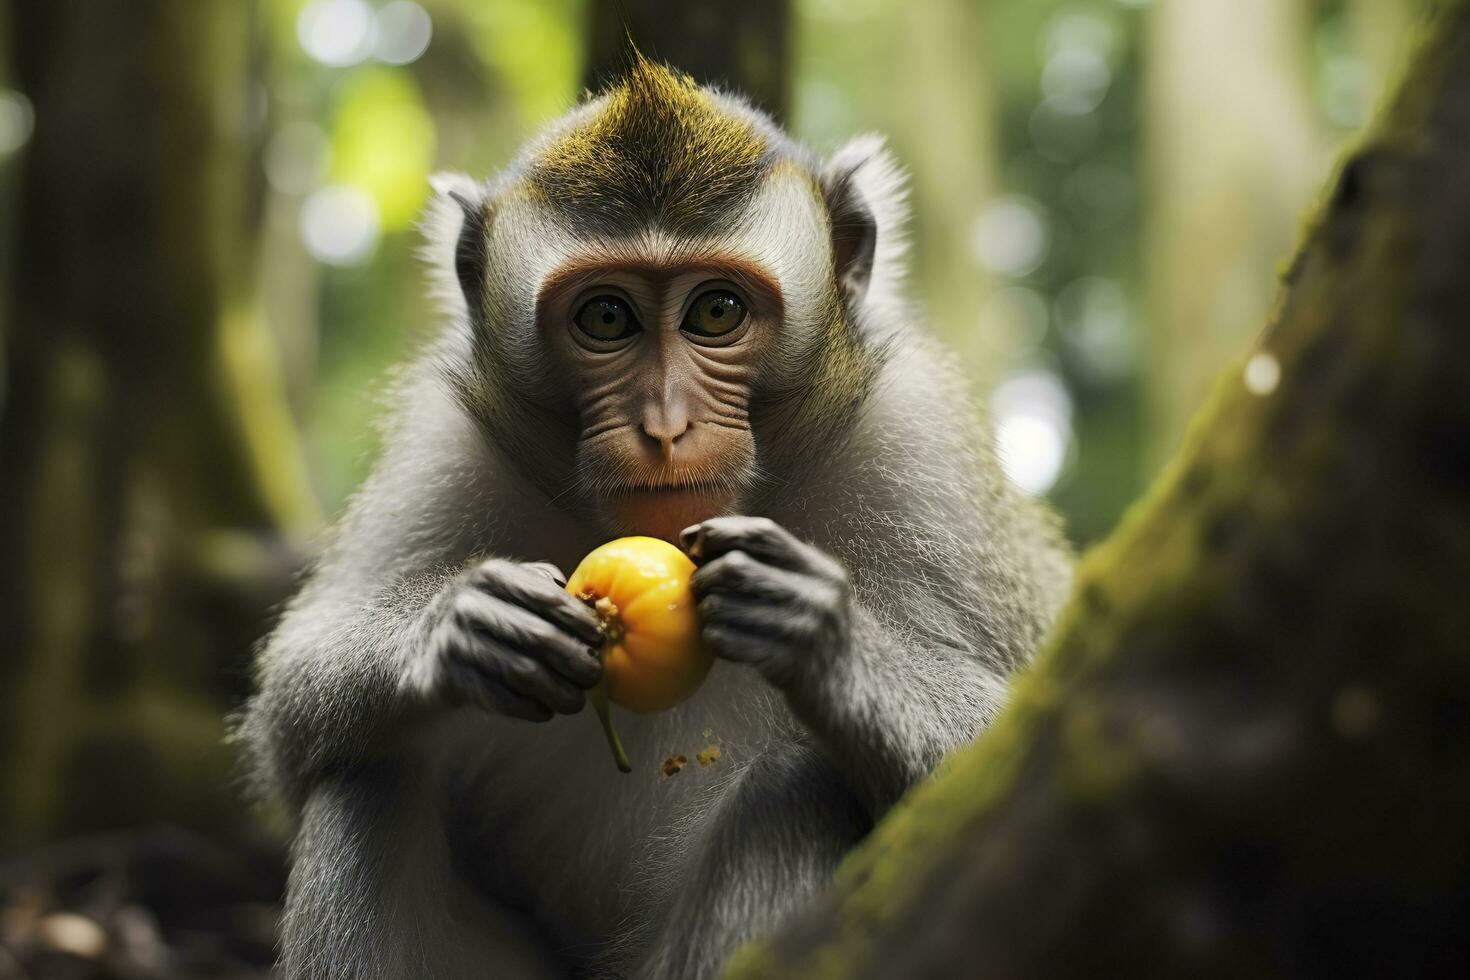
{"x":714,"y":314}
{"x":606,"y":318}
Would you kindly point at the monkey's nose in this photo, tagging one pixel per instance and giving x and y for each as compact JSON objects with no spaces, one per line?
{"x":665,"y":431}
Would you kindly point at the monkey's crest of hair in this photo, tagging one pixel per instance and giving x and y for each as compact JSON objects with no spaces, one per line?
{"x":659,"y":148}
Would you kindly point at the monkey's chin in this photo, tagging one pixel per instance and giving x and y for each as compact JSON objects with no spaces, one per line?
{"x":664,"y":513}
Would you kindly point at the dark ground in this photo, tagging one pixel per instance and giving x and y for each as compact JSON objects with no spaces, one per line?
{"x":160,"y":904}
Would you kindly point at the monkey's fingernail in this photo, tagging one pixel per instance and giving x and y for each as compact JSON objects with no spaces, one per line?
{"x":550,"y":568}
{"x":692,"y":541}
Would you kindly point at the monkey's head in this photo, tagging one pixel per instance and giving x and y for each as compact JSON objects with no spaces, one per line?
{"x":665,"y":300}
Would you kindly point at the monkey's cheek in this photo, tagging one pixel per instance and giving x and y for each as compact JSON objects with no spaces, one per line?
{"x":664,"y":513}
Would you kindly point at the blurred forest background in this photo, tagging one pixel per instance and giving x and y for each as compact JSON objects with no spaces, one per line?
{"x":207,"y":267}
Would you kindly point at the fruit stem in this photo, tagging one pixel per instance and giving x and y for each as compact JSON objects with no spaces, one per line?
{"x":599,"y":704}
{"x":612,"y":632}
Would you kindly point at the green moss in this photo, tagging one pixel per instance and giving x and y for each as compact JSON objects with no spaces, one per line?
{"x":1098,"y":758}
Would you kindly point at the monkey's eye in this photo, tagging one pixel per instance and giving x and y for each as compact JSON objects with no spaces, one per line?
{"x":714,"y":314}
{"x":606,"y":318}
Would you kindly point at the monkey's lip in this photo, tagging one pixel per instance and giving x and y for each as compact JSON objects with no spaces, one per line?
{"x":662,"y":511}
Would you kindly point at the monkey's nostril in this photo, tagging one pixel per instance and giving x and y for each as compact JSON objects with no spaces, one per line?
{"x":665,"y":433}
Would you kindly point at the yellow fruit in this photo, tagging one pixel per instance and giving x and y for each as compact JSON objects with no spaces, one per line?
{"x":651,"y":657}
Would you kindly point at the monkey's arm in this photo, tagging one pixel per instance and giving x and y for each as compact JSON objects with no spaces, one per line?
{"x":886,"y":702}
{"x":328,"y":680}
{"x":329,"y":675}
{"x":397,"y":624}
{"x":894,"y":705}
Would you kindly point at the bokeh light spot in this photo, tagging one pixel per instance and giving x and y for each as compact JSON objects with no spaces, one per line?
{"x":1011,"y":237}
{"x":339,"y":225}
{"x":1033,"y":428}
{"x":336,"y":32}
{"x":1074,"y":29}
{"x":1031,"y":451}
{"x":17,"y":119}
{"x":1346,"y":91}
{"x":1076,"y":80}
{"x":404,"y":30}
{"x":1262,"y":374}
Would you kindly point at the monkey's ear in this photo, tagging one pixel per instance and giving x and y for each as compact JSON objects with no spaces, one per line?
{"x":454,"y":226}
{"x":865,"y":195}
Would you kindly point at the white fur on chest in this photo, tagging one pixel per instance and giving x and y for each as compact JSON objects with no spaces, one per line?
{"x":591,"y":842}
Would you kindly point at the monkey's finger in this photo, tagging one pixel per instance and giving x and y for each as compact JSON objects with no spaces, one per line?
{"x":738,"y":573}
{"x":783,"y":622}
{"x":760,"y":537}
{"x":531,"y":680}
{"x":468,"y":685}
{"x":736,"y":645}
{"x":516,"y":673}
{"x":538,"y":592}
{"x":521,"y":630}
{"x":547,"y":568}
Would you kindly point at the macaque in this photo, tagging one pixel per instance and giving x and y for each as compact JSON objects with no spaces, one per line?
{"x":664,"y":318}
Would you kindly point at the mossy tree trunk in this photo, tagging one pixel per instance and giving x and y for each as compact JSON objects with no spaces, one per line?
{"x":1246,"y":751}
{"x":136,"y":449}
{"x":741,"y":46}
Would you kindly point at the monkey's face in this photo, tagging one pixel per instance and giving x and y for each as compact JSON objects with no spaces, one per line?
{"x":661,"y":294}
{"x":659,"y":362}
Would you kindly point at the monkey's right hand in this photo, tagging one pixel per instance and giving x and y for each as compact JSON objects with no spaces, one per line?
{"x":507,"y":637}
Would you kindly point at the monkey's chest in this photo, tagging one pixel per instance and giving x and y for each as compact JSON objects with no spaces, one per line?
{"x":548,"y":824}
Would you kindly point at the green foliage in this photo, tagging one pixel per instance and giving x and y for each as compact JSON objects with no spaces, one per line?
{"x":535,"y":46}
{"x":382,"y":140}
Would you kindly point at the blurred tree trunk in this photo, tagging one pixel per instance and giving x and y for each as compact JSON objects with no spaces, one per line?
{"x":743,"y":47}
{"x":1246,"y":752}
{"x":1232,"y":153}
{"x":951,"y":131}
{"x":143,"y":442}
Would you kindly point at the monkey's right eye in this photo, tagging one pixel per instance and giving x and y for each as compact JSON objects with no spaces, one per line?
{"x":606,"y":318}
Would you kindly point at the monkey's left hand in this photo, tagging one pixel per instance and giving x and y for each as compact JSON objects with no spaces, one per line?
{"x":767,"y":599}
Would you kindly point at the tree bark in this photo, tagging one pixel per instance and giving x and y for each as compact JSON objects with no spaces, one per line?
{"x":142,"y":434}
{"x":1246,"y":751}
{"x":743,"y":47}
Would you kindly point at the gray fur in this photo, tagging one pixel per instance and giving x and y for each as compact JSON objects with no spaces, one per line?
{"x":898,"y":581}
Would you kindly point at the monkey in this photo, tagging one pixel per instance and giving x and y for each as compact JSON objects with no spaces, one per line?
{"x":664,"y":317}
